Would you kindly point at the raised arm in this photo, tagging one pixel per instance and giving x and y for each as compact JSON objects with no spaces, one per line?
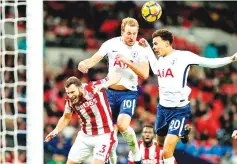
{"x":113,"y":78}
{"x":142,"y":70}
{"x":84,"y":65}
{"x":211,"y":62}
{"x":150,"y":54}
{"x":62,"y":123}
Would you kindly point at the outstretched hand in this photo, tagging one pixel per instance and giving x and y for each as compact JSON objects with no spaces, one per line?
{"x":234,"y":57}
{"x":82,"y":67}
{"x":51,"y":135}
{"x":234,"y":134}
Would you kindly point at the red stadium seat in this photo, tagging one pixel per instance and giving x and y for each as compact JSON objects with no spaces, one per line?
{"x":229,"y":89}
{"x":207,"y":96}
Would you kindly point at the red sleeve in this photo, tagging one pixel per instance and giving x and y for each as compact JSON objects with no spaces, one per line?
{"x":102,"y":81}
{"x":89,"y":87}
{"x":129,"y":162}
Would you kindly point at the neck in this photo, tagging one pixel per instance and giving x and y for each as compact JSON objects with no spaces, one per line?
{"x":148,"y":144}
{"x":169,"y":51}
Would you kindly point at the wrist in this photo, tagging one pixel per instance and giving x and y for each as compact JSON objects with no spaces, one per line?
{"x":57,"y":130}
{"x":233,"y":58}
{"x":129,"y":63}
{"x":85,"y":63}
{"x":106,"y":85}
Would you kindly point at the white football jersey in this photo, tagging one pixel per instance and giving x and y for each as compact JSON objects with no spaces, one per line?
{"x":135,"y":54}
{"x":172,"y":72}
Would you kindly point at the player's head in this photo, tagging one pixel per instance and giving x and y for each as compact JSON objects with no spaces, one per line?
{"x":148,"y":134}
{"x":74,"y":90}
{"x":129,"y":30}
{"x":162,"y":42}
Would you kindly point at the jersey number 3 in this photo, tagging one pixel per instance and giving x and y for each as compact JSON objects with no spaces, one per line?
{"x":102,"y":149}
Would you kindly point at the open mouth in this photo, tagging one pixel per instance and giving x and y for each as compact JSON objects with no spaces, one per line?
{"x":131,"y":41}
{"x":147,"y":139}
{"x":74,"y":99}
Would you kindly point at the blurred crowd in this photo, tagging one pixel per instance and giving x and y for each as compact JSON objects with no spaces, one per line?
{"x":214,"y":91}
{"x":214,"y":95}
{"x":101,"y":20}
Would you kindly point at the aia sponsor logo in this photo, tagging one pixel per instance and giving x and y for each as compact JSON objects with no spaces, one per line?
{"x":121,"y":64}
{"x":165,"y":73}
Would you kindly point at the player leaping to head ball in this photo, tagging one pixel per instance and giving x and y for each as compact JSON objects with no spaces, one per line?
{"x":129,"y":59}
{"x":172,"y":69}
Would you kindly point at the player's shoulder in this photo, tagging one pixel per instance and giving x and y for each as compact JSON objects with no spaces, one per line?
{"x":137,"y":46}
{"x":155,"y":143}
{"x":113,"y":40}
{"x":88,"y":86}
{"x":182,"y":53}
{"x":139,"y":142}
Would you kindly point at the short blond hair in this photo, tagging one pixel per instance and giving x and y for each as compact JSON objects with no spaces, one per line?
{"x":129,"y":21}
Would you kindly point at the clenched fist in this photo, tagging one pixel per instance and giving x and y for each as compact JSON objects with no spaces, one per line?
{"x":82,"y":67}
{"x":234,"y":57}
{"x":143,"y":42}
{"x":234,"y":134}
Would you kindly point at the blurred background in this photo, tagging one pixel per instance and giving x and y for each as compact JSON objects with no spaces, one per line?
{"x":74,"y":30}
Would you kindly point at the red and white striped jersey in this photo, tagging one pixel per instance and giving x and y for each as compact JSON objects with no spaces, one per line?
{"x":150,"y":155}
{"x":94,"y":111}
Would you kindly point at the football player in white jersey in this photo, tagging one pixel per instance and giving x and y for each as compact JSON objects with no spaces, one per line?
{"x":128,"y":58}
{"x":172,"y":69}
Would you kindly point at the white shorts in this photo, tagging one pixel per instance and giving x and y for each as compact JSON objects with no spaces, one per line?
{"x":87,"y":145}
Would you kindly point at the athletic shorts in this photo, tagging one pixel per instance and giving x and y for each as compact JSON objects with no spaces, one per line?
{"x":122,"y":102}
{"x":171,"y":120}
{"x":98,"y":146}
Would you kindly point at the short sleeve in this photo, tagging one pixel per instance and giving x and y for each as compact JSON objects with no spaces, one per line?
{"x":67,"y":109}
{"x":104,"y":48}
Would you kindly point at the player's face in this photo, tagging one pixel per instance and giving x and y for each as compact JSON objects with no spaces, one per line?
{"x":130,"y":35}
{"x":160,"y":46}
{"x":147,"y":135}
{"x":74,"y":93}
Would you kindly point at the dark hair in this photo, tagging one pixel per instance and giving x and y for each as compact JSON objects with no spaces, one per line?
{"x":72,"y":80}
{"x":164,"y":34}
{"x":148,"y":126}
